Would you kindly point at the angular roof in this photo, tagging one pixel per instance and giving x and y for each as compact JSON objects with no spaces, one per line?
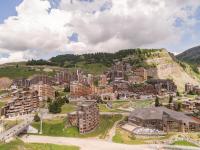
{"x":157,"y":113}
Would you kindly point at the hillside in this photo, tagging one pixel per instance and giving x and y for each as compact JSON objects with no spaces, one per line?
{"x":158,"y":62}
{"x":191,"y":56}
{"x":167,"y":67}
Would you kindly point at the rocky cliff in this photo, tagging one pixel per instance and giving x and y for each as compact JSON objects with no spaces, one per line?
{"x":166,"y":67}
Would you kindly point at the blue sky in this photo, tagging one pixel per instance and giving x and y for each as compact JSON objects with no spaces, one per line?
{"x":7,"y":8}
{"x":82,"y":26}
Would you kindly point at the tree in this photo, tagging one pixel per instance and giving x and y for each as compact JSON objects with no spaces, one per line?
{"x":36,"y":118}
{"x":170,"y":99}
{"x":66,"y":99}
{"x":49,"y":100}
{"x":57,"y":94}
{"x":177,"y":93}
{"x":54,"y":107}
{"x":191,"y":93}
{"x":118,"y":96}
{"x":157,"y":103}
{"x":17,"y":66}
{"x":96,"y":82}
{"x":178,"y":107}
{"x":60,"y":101}
{"x":66,"y":89}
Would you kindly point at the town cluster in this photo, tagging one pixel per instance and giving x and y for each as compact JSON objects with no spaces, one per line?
{"x":121,"y":82}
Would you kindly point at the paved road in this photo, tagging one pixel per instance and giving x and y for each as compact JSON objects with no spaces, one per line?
{"x":6,"y":135}
{"x":50,"y":116}
{"x":93,"y":144}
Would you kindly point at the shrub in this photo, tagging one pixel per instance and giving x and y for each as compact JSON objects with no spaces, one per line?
{"x":36,"y":118}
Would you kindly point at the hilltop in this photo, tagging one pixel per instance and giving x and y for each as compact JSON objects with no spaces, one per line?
{"x":191,"y":55}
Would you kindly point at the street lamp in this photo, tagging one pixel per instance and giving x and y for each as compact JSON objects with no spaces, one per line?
{"x":41,"y":111}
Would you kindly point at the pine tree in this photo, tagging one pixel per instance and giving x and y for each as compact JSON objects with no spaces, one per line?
{"x":157,"y":103}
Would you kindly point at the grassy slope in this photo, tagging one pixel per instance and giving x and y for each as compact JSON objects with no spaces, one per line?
{"x":124,"y":137}
{"x":57,"y":128}
{"x":13,"y":72}
{"x":66,"y":108}
{"x":184,"y":143}
{"x":2,"y":104}
{"x":95,"y":68}
{"x":169,"y":68}
{"x":19,"y":145}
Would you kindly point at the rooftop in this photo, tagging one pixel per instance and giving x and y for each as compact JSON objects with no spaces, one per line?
{"x":157,"y":113}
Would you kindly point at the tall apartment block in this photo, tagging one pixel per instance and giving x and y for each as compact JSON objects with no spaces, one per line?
{"x":86,"y":118}
{"x":45,"y":91}
{"x":24,"y":101}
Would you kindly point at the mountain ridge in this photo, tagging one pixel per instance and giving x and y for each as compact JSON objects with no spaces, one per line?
{"x":191,"y":55}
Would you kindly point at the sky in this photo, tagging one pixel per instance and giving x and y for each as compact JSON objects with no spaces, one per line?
{"x":40,"y":29}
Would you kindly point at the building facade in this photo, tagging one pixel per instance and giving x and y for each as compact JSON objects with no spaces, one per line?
{"x":45,"y":91}
{"x":24,"y":101}
{"x":86,"y":118}
{"x":164,"y":119}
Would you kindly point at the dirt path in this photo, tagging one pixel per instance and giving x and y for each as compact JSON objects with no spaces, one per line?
{"x":112,"y":131}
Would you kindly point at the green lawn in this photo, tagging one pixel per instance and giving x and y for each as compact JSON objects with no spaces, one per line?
{"x":104,"y":108}
{"x":19,"y":145}
{"x":115,"y":106}
{"x":13,"y":72}
{"x":3,"y":92}
{"x":60,"y":127}
{"x":94,"y":68}
{"x":184,"y":143}
{"x":142,"y":103}
{"x":66,"y":108}
{"x":124,"y":137}
{"x":2,"y":104}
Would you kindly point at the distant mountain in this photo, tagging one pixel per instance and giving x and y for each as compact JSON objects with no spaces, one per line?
{"x":191,"y":56}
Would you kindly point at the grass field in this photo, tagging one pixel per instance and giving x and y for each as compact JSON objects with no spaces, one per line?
{"x":103,"y":108}
{"x":184,"y":143}
{"x":66,"y":108}
{"x":2,"y":104}
{"x":58,"y":127}
{"x":13,"y":72}
{"x":19,"y":145}
{"x":115,"y":106}
{"x":142,"y":103}
{"x":124,"y":137}
{"x":94,"y":68}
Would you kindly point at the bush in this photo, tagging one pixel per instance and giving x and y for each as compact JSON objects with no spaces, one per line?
{"x":132,"y":137}
{"x":157,"y":103}
{"x":66,"y":89}
{"x":36,"y":118}
{"x":54,"y":107}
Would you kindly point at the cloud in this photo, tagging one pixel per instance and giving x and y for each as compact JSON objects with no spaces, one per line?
{"x":45,"y":28}
{"x":12,"y":57}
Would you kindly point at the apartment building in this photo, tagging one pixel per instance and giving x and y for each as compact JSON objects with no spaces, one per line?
{"x":78,"y":89}
{"x":86,"y":118}
{"x":24,"y":101}
{"x":192,"y":88}
{"x":163,"y":85}
{"x":139,"y":75}
{"x":62,"y":77}
{"x":45,"y":91}
{"x":41,"y":78}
